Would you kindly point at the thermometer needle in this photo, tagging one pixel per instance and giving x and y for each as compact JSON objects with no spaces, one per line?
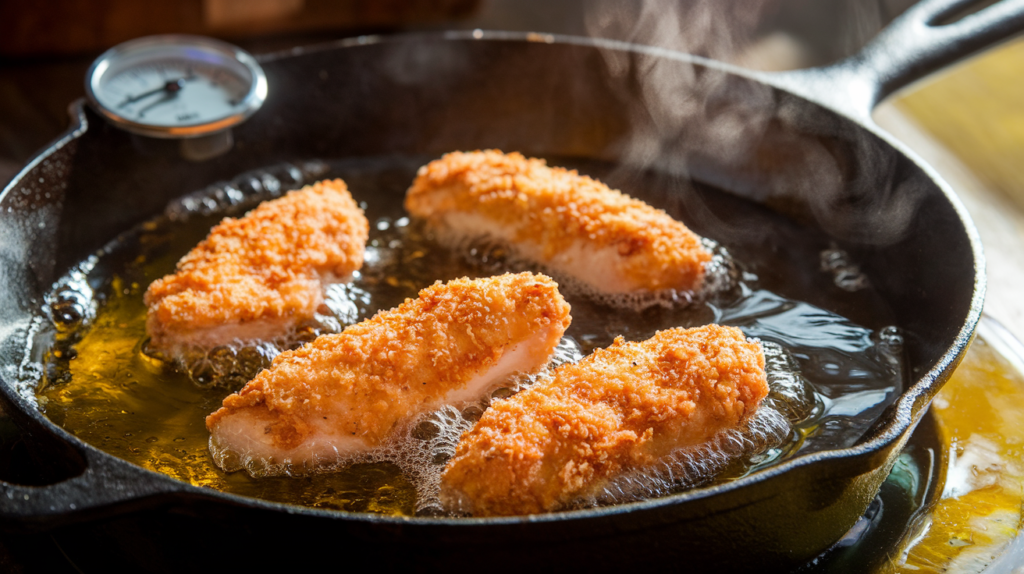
{"x":171,"y":87}
{"x":167,"y":97}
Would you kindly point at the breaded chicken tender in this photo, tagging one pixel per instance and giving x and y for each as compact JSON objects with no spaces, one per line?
{"x":619,"y":409}
{"x":570,"y":223}
{"x":345,"y":393}
{"x":257,"y":276}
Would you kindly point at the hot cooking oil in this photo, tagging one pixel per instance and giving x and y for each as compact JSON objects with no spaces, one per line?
{"x":103,"y":384}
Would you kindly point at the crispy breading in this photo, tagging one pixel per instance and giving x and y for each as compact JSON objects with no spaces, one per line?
{"x":572,"y":224}
{"x":262,"y":273}
{"x":347,"y":392}
{"x":619,"y":409}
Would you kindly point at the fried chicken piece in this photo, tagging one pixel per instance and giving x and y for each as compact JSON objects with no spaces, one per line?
{"x":346,"y":393}
{"x":258,"y":276}
{"x":619,"y":409}
{"x":570,"y":223}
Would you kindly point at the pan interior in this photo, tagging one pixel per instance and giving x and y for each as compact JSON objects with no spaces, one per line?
{"x":104,"y":386}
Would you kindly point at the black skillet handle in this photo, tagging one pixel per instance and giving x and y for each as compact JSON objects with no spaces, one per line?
{"x":106,"y":485}
{"x":927,"y":37}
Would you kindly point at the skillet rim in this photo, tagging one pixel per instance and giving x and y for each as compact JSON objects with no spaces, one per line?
{"x":899,"y":418}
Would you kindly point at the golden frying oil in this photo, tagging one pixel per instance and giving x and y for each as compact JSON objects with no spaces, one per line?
{"x":147,"y":413}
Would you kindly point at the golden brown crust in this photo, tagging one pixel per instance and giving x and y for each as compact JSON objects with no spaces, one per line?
{"x":559,"y":209}
{"x":621,"y":408}
{"x":265,"y":266}
{"x":377,"y":373}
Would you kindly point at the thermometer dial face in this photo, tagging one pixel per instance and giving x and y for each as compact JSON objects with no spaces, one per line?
{"x":176,"y":86}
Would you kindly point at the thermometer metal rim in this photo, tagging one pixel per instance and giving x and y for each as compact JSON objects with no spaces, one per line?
{"x":174,"y":45}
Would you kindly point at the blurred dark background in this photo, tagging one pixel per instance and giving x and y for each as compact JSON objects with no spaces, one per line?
{"x":47,"y":45}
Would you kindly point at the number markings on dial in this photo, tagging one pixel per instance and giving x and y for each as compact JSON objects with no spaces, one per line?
{"x":171,"y":93}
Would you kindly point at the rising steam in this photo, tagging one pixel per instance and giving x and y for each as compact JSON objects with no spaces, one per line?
{"x":671,"y":97}
{"x":699,"y":123}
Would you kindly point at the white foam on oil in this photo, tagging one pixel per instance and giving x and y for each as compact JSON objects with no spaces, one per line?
{"x":790,"y":400}
{"x":768,"y":427}
{"x":720,"y":275}
{"x":789,"y":392}
{"x":693,"y":466}
{"x":420,"y":447}
{"x":234,"y":363}
{"x":488,"y":249}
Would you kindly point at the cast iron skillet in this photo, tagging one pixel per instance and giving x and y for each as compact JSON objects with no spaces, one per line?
{"x":547,"y":96}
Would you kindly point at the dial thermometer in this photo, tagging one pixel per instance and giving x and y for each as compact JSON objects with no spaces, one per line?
{"x":190,"y":88}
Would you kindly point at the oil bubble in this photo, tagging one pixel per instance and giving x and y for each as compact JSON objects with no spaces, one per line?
{"x":845,"y":273}
{"x":890,"y":337}
{"x":502,"y":393}
{"x":472,"y":413}
{"x":426,"y":430}
{"x":71,"y":304}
